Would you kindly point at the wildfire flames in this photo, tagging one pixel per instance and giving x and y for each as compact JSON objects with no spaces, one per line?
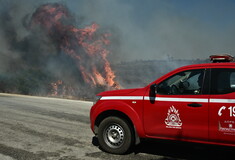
{"x":85,"y":46}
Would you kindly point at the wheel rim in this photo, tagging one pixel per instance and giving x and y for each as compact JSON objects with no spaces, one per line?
{"x":114,"y":136}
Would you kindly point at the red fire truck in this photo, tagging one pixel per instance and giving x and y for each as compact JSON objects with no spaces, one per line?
{"x":193,"y":103}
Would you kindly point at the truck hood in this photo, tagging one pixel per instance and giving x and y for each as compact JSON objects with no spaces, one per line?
{"x":122,"y":92}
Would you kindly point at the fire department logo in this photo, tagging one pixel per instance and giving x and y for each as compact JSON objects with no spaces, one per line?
{"x":173,"y":118}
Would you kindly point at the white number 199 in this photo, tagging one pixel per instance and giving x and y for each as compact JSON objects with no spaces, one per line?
{"x":232,"y":111}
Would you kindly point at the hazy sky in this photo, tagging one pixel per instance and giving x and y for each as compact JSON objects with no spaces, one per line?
{"x":155,"y":29}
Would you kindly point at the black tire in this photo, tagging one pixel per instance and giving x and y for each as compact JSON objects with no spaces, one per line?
{"x":115,"y":135}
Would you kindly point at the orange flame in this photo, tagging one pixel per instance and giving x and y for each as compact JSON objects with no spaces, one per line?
{"x":82,"y":44}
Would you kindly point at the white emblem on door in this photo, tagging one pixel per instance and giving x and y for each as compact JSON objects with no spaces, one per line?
{"x":173,"y":118}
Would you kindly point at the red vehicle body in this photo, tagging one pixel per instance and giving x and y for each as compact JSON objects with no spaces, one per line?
{"x":194,"y":103}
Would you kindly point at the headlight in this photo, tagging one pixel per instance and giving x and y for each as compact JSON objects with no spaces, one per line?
{"x":97,"y":98}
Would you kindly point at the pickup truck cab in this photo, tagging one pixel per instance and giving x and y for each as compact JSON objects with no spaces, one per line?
{"x":193,"y":103}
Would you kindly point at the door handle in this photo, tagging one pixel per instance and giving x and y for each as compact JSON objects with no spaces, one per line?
{"x":194,"y":105}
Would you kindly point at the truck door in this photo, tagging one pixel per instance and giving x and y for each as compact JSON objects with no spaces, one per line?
{"x":179,"y":110}
{"x":222,"y":106}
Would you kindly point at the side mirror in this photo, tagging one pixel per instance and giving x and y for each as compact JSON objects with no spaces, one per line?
{"x":153,"y":90}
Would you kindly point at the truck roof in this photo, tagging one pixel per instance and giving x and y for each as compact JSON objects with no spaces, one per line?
{"x":209,"y":65}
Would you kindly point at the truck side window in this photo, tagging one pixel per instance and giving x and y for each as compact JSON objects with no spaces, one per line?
{"x":183,"y":83}
{"x":222,"y":80}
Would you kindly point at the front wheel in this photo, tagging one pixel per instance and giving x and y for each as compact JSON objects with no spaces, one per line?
{"x":115,"y":135}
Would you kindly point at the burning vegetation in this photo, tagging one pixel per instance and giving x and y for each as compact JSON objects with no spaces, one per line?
{"x":59,"y":59}
{"x":48,"y":51}
{"x":85,"y":46}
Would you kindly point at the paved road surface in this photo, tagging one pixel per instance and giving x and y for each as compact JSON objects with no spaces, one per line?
{"x":33,"y":128}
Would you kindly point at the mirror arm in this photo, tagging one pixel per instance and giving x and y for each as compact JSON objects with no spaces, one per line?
{"x":153,"y":90}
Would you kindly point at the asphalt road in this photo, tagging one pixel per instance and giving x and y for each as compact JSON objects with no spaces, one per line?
{"x":35,"y":128}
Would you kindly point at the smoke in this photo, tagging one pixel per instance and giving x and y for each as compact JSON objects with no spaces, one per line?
{"x":46,"y":53}
{"x":154,"y":29}
{"x":35,"y":57}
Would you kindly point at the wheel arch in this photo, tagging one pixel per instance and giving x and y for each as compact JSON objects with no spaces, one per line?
{"x":116,"y":113}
